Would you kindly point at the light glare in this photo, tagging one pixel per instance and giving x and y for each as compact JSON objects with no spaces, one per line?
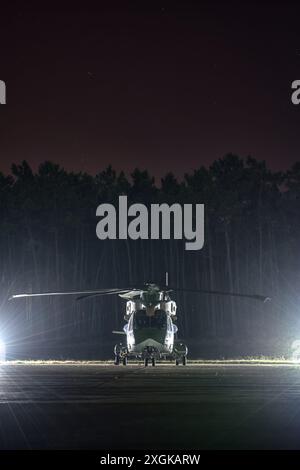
{"x":296,"y":351}
{"x":2,"y":351}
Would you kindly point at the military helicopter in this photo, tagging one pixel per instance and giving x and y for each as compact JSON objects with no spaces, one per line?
{"x":150,"y":317}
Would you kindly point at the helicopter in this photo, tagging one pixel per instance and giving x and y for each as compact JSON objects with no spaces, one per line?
{"x":151,"y":314}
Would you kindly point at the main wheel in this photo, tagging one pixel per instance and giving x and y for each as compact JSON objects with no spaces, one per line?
{"x":153,"y":361}
{"x":146,"y":361}
{"x":124,"y":361}
{"x":184,"y":361}
{"x":117,"y":360}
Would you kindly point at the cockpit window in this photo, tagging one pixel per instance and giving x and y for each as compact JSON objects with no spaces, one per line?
{"x":158,"y":320}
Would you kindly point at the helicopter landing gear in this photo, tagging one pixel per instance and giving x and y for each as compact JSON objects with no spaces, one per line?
{"x":121,"y":355}
{"x":180,"y":352}
{"x":118,"y":360}
{"x":146,"y":361}
{"x":183,"y":360}
{"x":150,"y":354}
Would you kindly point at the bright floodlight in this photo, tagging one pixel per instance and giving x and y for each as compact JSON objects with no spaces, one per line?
{"x":296,"y":350}
{"x":2,"y":351}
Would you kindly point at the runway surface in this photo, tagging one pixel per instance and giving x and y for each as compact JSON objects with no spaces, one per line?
{"x":203,"y":406}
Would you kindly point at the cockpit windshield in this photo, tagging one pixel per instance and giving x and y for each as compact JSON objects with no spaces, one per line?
{"x":158,"y":320}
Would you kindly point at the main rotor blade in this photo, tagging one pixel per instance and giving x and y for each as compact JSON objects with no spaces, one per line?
{"x":78,"y":292}
{"x":97,"y":294}
{"x":261,"y":298}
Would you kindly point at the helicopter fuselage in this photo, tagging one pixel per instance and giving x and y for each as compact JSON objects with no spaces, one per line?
{"x":150,"y":330}
{"x":144,"y":332}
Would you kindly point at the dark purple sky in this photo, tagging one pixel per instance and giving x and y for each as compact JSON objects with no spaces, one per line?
{"x":163,"y":86}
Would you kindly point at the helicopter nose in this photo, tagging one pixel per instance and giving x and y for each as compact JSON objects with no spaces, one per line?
{"x":149,"y":342}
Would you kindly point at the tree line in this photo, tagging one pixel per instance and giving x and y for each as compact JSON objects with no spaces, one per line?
{"x":48,"y":242}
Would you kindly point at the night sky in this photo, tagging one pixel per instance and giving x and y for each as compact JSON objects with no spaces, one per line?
{"x":163,"y":86}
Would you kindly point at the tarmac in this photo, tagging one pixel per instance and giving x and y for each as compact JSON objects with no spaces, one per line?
{"x":222,"y":405}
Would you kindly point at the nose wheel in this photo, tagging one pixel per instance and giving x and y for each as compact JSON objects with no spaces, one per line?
{"x":146,"y":361}
{"x":150,"y":354}
{"x":183,"y":360}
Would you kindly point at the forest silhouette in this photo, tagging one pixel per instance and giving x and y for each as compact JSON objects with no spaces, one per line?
{"x":48,"y":242}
